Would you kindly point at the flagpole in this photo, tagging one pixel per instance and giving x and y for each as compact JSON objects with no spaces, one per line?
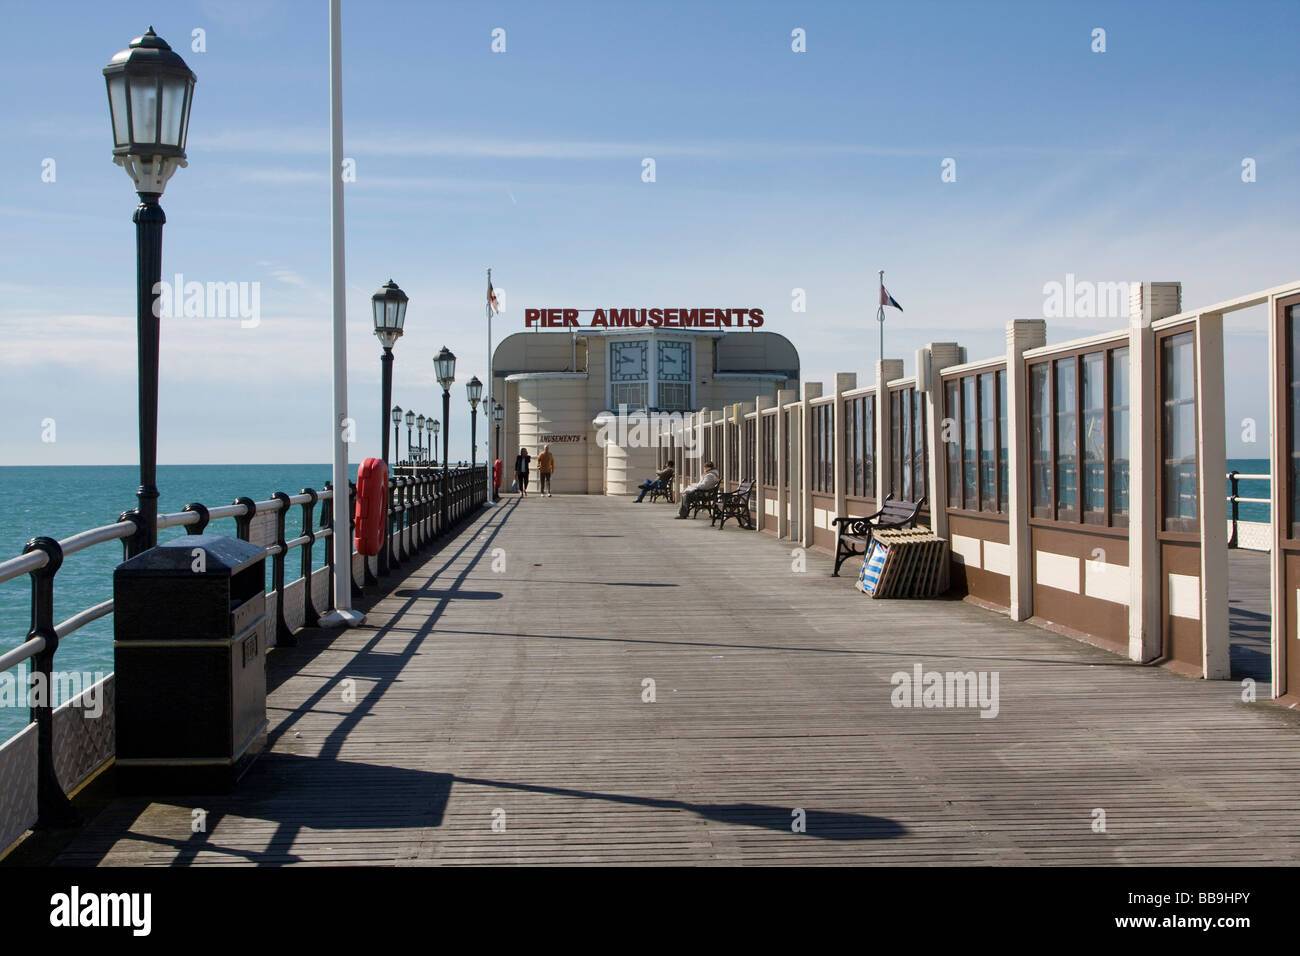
{"x":343,"y":614}
{"x":880,"y":315}
{"x":491,"y":409}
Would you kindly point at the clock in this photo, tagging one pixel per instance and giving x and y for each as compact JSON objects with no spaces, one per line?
{"x":627,"y":361}
{"x":674,"y":361}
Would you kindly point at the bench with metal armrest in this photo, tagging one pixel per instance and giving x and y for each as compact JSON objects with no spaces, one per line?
{"x":662,"y":488}
{"x":854,"y":534}
{"x":734,"y":504}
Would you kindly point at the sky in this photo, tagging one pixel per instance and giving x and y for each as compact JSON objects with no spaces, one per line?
{"x":775,"y":171}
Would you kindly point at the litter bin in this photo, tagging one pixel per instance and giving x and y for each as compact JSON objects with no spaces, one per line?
{"x":190,"y":638}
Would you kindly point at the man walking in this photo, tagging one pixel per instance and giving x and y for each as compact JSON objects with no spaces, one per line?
{"x":546,"y":468}
{"x":699,"y":490}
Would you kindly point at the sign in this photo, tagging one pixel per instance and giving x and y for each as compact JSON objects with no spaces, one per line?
{"x":645,"y":318}
{"x":560,"y":439}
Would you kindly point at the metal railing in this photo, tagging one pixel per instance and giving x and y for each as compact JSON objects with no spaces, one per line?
{"x":1234,"y":499}
{"x":416,"y":518}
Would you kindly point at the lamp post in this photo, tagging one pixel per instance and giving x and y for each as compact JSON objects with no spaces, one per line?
{"x":419,"y":427}
{"x":444,"y":365}
{"x":410,"y":423}
{"x":389,"y":307}
{"x":150,"y":91}
{"x":498,"y":416}
{"x":397,"y":434}
{"x":474,"y":389}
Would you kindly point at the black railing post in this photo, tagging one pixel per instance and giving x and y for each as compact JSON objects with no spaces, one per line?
{"x":52,"y":806}
{"x":327,"y":521}
{"x":202,"y":524}
{"x":283,"y":633}
{"x":1232,"y":479}
{"x":310,"y":616}
{"x":403,"y":489}
{"x":352,"y":537}
{"x":244,"y":522}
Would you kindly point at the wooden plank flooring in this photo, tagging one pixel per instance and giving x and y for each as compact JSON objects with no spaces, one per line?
{"x":514,"y":697}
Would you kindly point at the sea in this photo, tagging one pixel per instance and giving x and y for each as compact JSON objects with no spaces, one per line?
{"x":59,"y":501}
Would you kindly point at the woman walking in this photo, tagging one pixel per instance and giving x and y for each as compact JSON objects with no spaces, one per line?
{"x":522,"y":461}
{"x":546,"y":468}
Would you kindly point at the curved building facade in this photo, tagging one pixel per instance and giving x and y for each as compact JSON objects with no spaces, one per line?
{"x":568,"y":389}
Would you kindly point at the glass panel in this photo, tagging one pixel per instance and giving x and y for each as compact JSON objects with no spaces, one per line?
{"x":920,"y":479}
{"x":117,"y":100}
{"x":869,"y":447}
{"x":1040,"y":469}
{"x":1094,"y":437}
{"x":970,"y":492}
{"x":1179,"y":433}
{"x":1119,"y":436}
{"x":951,"y":443}
{"x":988,"y":444}
{"x":1002,"y":442}
{"x":1293,"y":426}
{"x":896,"y":444}
{"x":173,"y":104}
{"x":1067,"y":442}
{"x":144,"y":111}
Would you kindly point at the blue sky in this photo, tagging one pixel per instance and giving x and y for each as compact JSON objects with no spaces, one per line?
{"x":775,"y":170}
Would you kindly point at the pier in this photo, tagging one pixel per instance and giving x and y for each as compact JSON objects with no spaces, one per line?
{"x":500,"y":715}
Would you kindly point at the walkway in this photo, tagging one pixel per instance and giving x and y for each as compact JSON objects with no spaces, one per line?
{"x":499,"y":718}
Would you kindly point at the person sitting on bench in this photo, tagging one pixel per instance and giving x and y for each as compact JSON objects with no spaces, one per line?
{"x":700,"y":489}
{"x":661,"y":478}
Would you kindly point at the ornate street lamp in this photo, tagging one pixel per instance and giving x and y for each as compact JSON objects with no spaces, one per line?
{"x":410,"y":423}
{"x":389,"y":307}
{"x":444,"y":365}
{"x":150,"y":91}
{"x":419,"y":427}
{"x":498,"y":416}
{"x":474,"y":388}
{"x":397,"y":432}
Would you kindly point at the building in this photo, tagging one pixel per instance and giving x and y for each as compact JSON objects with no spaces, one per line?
{"x":566,"y":389}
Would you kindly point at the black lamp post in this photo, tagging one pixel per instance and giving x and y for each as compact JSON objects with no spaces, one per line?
{"x":150,"y":91}
{"x":419,"y":427}
{"x":410,"y":423}
{"x":434,"y":425}
{"x":474,"y":388}
{"x":444,"y":365}
{"x":389,"y":306}
{"x":498,"y":416}
{"x":397,"y":433}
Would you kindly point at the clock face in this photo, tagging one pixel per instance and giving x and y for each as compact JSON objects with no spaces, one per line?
{"x":627,"y":361}
{"x":674,"y":361}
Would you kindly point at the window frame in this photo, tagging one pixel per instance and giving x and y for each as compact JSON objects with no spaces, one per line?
{"x":976,"y":504}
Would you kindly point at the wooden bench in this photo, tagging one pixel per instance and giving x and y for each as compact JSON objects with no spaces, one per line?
{"x":662,"y":488}
{"x":704,"y":502}
{"x":734,"y":504}
{"x":855,"y":533}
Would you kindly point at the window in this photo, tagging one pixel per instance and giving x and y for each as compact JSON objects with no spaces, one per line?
{"x":785,"y":459}
{"x":1040,"y":463}
{"x":674,"y":373}
{"x":629,"y":376}
{"x":1119,"y":436}
{"x":733,"y":453}
{"x":823,"y":450}
{"x":769,"y":449}
{"x":988,"y":445}
{"x":970,"y":493}
{"x":1067,"y":442}
{"x":1178,"y":437}
{"x":920,"y":461}
{"x":1293,"y":414}
{"x":859,"y":451}
{"x":1002,"y":441}
{"x":1093,"y":429}
{"x":749,"y":427}
{"x":908,"y":443}
{"x":951,"y":441}
{"x":868,"y":445}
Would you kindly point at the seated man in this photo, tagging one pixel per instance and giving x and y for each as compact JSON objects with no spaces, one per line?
{"x":700,"y":489}
{"x":662,"y":477}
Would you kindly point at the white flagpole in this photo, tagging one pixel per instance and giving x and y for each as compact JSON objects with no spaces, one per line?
{"x":880,"y":314}
{"x":343,"y":614}
{"x":489,"y":419}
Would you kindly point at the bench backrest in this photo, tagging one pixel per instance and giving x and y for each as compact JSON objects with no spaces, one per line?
{"x":898,"y":510}
{"x":745,"y":487}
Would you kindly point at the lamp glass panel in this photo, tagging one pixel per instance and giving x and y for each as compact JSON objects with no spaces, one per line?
{"x":117,"y":103}
{"x":173,"y":110}
{"x":390,"y":314}
{"x":401,"y":313}
{"x":144,"y":110}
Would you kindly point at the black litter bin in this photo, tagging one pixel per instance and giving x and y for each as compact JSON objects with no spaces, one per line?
{"x":189,"y":638}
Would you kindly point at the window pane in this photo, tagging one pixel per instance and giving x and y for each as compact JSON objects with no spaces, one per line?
{"x":869,"y":447}
{"x":951,"y":439}
{"x":1067,"y":443}
{"x":969,"y":490}
{"x":1293,"y":429}
{"x":920,"y":479}
{"x":1094,"y":437}
{"x":1119,"y":440}
{"x":988,"y":444}
{"x":1040,"y":467}
{"x":1179,"y":433}
{"x":1002,"y":442}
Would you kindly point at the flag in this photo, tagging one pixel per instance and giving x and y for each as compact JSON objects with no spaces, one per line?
{"x":492,"y":299}
{"x":887,"y":299}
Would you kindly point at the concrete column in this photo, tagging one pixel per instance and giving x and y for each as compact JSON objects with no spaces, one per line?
{"x":783,"y":398}
{"x":1022,"y":334}
{"x":844,"y":382}
{"x":886,"y":371}
{"x":1277,"y":512}
{"x":811,"y":390}
{"x":1215,"y":643}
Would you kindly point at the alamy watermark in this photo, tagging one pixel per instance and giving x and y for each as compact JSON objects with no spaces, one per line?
{"x":209,"y":300}
{"x":922,"y":688}
{"x":1084,"y":299}
{"x":21,"y":690}
{"x":649,"y":429}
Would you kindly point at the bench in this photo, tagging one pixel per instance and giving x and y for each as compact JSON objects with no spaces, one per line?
{"x":855,"y":533}
{"x":704,"y":502}
{"x":734,"y":504}
{"x":662,"y":488}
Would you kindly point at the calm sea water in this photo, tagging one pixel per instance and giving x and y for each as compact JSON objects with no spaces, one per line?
{"x":60,"y":501}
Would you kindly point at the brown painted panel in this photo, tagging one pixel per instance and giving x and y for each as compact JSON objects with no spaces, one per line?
{"x":1290,"y":654}
{"x":769,"y":520}
{"x":824,"y":537}
{"x":1088,"y":615}
{"x":1181,"y":639}
{"x":976,"y":582}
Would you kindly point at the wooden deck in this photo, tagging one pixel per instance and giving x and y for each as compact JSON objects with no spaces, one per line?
{"x":515,"y":697}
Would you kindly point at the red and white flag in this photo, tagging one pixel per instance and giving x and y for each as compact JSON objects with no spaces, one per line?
{"x":492,"y":302}
{"x":887,"y":299}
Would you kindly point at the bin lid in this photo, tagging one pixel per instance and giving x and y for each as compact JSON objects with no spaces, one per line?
{"x":222,"y":555}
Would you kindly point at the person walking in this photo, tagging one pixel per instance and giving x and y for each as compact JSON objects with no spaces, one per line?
{"x":522,"y":461}
{"x":546,"y":468}
{"x":497,"y":470}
